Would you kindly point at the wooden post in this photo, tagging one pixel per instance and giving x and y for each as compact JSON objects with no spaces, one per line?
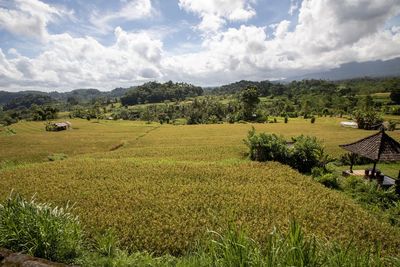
{"x":374,"y":168}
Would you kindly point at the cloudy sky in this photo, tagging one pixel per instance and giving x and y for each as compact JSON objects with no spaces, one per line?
{"x":67,"y":44}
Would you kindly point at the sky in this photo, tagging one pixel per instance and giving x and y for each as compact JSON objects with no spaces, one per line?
{"x":61,"y":45}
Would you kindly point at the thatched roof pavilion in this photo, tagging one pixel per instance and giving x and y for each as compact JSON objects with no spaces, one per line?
{"x":377,"y":147}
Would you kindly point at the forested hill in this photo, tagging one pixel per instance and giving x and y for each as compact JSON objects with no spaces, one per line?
{"x":153,"y":92}
{"x":362,"y":86}
{"x":75,"y":96}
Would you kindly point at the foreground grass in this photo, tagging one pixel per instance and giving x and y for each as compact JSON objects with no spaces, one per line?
{"x":55,"y":234}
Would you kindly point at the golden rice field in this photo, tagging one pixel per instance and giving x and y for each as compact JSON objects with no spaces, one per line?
{"x":167,"y":185}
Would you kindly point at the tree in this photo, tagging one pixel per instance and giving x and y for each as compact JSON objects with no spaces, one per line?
{"x":72,"y":100}
{"x":368,"y":120}
{"x":249,"y":100}
{"x":395,"y":96}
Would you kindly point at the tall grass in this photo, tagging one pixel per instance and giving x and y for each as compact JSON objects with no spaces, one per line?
{"x":39,"y":229}
{"x":291,"y":248}
{"x":55,"y":234}
{"x":235,"y":248}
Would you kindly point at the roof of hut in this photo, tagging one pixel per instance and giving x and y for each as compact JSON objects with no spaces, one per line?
{"x":61,"y":124}
{"x":379,"y":146}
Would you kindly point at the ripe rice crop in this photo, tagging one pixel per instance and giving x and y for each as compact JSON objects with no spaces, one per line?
{"x":164,"y":206}
{"x":168,"y":184}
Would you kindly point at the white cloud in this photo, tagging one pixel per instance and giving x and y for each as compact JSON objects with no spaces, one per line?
{"x":131,"y":10}
{"x":327,"y":34}
{"x":30,"y":18}
{"x":69,"y":62}
{"x":294,"y":6}
{"x":281,"y":29}
{"x":214,"y":13}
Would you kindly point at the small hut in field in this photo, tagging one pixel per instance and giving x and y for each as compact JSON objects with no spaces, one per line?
{"x":377,"y":147}
{"x":58,"y":126}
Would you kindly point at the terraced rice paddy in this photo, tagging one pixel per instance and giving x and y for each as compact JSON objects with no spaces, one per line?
{"x":167,"y":185}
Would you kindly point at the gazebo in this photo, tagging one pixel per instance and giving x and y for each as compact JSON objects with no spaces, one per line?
{"x":377,"y":147}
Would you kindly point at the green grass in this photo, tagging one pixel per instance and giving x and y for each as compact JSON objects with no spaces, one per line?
{"x":167,"y":185}
{"x":54,"y":233}
{"x":39,"y":229}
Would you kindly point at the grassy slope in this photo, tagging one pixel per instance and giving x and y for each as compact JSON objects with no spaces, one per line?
{"x":169,"y":184}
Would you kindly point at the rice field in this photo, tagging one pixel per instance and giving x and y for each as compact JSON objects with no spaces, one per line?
{"x":164,"y":186}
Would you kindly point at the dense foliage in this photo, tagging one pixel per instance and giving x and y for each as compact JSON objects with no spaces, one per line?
{"x":368,"y":120}
{"x":154,"y":92}
{"x":236,"y":102}
{"x":27,"y":101}
{"x":303,"y":154}
{"x":266,"y":147}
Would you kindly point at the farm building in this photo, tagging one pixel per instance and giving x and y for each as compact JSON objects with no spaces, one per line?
{"x":58,"y":126}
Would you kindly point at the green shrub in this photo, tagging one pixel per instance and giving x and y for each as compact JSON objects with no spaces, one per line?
{"x":392,"y":126}
{"x":106,"y":244}
{"x":367,"y":120}
{"x":370,"y":193}
{"x":40,"y":230}
{"x":393,"y":213}
{"x":266,"y":147}
{"x":317,"y":172}
{"x":305,"y":153}
{"x":329,"y":180}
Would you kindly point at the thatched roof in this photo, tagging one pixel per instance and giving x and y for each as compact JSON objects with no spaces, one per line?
{"x":379,"y":146}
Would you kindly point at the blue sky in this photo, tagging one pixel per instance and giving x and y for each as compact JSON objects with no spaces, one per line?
{"x":66,"y":44}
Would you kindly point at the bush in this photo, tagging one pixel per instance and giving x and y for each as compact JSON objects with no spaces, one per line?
{"x":317,"y":172}
{"x":329,"y":180}
{"x":40,"y":230}
{"x":306,"y":153}
{"x":265,"y":147}
{"x":370,"y":193}
{"x":286,"y":119}
{"x":392,"y":126}
{"x":312,"y":119}
{"x":368,"y":120}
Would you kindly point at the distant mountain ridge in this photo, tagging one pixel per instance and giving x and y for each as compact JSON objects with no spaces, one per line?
{"x":378,"y":68}
{"x":373,"y":69}
{"x":84,"y":95}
